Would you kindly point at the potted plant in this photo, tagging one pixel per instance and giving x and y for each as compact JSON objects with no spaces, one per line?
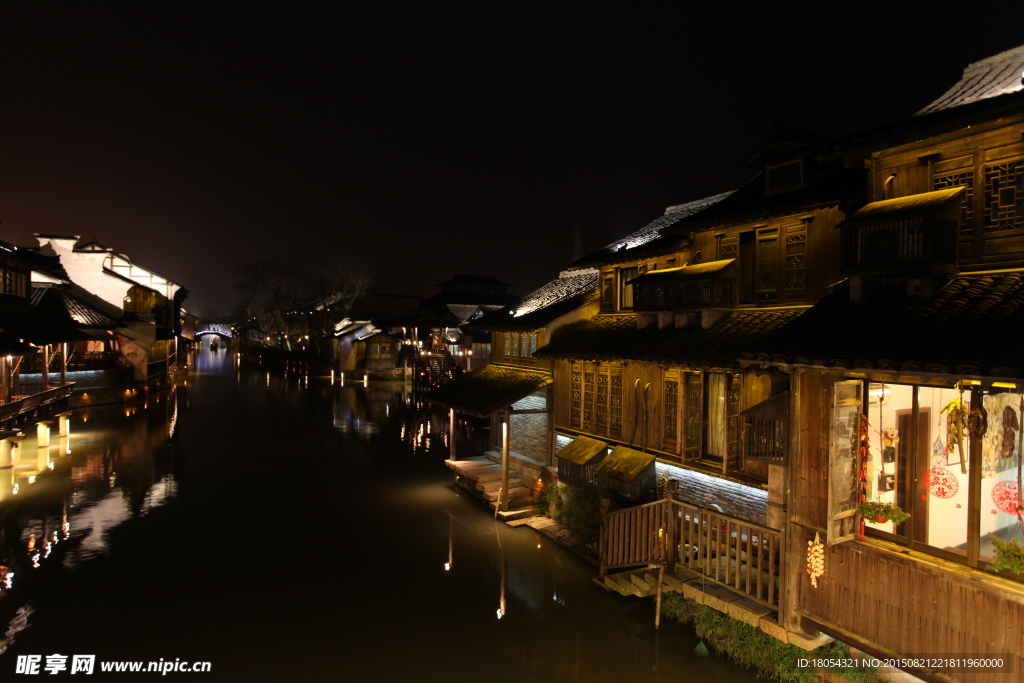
{"x":882,"y":512}
{"x":1009,"y":555}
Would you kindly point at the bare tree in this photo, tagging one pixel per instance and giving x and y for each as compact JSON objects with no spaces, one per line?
{"x":271,"y":290}
{"x":298,"y":297}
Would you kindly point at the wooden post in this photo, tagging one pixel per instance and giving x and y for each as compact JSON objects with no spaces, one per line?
{"x":451,"y":435}
{"x":792,"y":549}
{"x":657,"y":601}
{"x":45,"y":350}
{"x":974,"y":488}
{"x":503,"y":497}
{"x":63,"y":363}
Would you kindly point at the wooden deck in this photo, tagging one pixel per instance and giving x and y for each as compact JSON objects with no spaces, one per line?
{"x":482,"y":477}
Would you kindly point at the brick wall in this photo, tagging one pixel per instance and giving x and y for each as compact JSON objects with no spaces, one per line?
{"x":746,"y":502}
{"x":528,"y":434}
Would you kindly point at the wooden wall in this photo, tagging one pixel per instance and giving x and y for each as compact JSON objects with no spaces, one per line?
{"x":906,"y":602}
{"x":821,"y":258}
{"x":917,"y":606}
{"x":916,"y":164}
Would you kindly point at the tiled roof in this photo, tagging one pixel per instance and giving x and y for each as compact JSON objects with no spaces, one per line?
{"x":826,"y":185}
{"x":911,"y":205}
{"x":996,"y":75}
{"x":62,"y":304}
{"x":972,"y":326}
{"x":572,"y":289}
{"x":487,"y":390}
{"x":625,"y":463}
{"x":582,"y":450}
{"x":617,"y":338}
{"x":629,"y":247}
{"x":84,"y":314}
{"x":683,"y":272}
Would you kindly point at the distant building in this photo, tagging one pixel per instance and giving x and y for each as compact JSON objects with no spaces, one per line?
{"x":147,"y":305}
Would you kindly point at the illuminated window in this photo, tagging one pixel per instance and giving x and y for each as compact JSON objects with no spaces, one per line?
{"x":961,"y":179}
{"x":626,"y":289}
{"x":1004,"y":197}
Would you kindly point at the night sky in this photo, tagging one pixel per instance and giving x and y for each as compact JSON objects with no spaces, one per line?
{"x":431,"y":137}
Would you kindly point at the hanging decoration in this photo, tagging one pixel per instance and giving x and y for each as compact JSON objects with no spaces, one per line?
{"x":890,"y":438}
{"x":864,"y":451}
{"x":1005,"y":496}
{"x":1010,"y":428}
{"x":956,"y":427}
{"x":939,"y":453}
{"x":942,"y":483}
{"x":977,"y":421}
{"x":815,"y":559}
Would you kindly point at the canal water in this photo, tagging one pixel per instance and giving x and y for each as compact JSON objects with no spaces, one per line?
{"x":284,"y":528}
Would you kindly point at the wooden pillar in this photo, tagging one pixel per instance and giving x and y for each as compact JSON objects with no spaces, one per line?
{"x":974,"y":487}
{"x":45,"y":350}
{"x":505,"y":460}
{"x":792,"y":548}
{"x":64,"y":363}
{"x":451,"y":435}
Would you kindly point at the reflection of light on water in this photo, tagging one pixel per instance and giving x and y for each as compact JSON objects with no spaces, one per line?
{"x":18,"y":624}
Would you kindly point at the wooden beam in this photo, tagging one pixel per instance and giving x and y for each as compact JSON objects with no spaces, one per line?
{"x":526,"y":411}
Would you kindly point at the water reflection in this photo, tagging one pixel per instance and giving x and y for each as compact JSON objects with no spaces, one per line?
{"x":282,"y":517}
{"x":61,"y":498}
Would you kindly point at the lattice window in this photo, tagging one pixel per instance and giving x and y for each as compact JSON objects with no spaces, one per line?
{"x":693,"y":424}
{"x":511,"y":345}
{"x":588,"y":399}
{"x":962,"y":179}
{"x":601,"y":404}
{"x":524,"y":346}
{"x":608,"y":293}
{"x":732,"y":422}
{"x":615,"y":412}
{"x":796,"y":249}
{"x":533,"y":344}
{"x":729,"y":250}
{"x":671,"y":408}
{"x":575,"y":397}
{"x":1004,"y":197}
{"x":767,"y":264}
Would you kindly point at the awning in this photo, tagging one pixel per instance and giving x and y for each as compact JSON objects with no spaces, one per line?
{"x":487,"y":390}
{"x":582,"y":450}
{"x":722,"y":267}
{"x":625,"y":464}
{"x":938,"y":204}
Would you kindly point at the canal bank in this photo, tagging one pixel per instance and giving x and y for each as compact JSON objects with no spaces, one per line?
{"x":289,"y":529}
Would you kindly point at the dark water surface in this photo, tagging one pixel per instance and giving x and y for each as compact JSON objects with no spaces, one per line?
{"x":284,"y":529}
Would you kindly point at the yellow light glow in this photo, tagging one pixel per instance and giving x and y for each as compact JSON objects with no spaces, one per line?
{"x":1004,"y":385}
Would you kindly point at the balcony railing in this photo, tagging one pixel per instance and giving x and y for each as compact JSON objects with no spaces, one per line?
{"x":740,"y":555}
{"x":28,"y":408}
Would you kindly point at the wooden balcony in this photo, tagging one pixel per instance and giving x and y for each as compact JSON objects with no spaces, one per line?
{"x":739,"y":555}
{"x":26,"y":409}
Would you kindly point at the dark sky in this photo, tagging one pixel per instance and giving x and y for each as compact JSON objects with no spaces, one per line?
{"x":431,"y":137}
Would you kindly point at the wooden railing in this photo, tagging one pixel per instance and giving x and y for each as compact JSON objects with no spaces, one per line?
{"x":728,"y":551}
{"x":37,"y":406}
{"x":740,"y":555}
{"x":646,"y":534}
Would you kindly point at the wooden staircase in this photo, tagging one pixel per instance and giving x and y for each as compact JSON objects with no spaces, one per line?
{"x":481,"y":477}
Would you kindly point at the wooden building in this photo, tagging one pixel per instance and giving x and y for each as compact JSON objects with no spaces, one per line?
{"x":922,"y":338}
{"x":514,"y":390}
